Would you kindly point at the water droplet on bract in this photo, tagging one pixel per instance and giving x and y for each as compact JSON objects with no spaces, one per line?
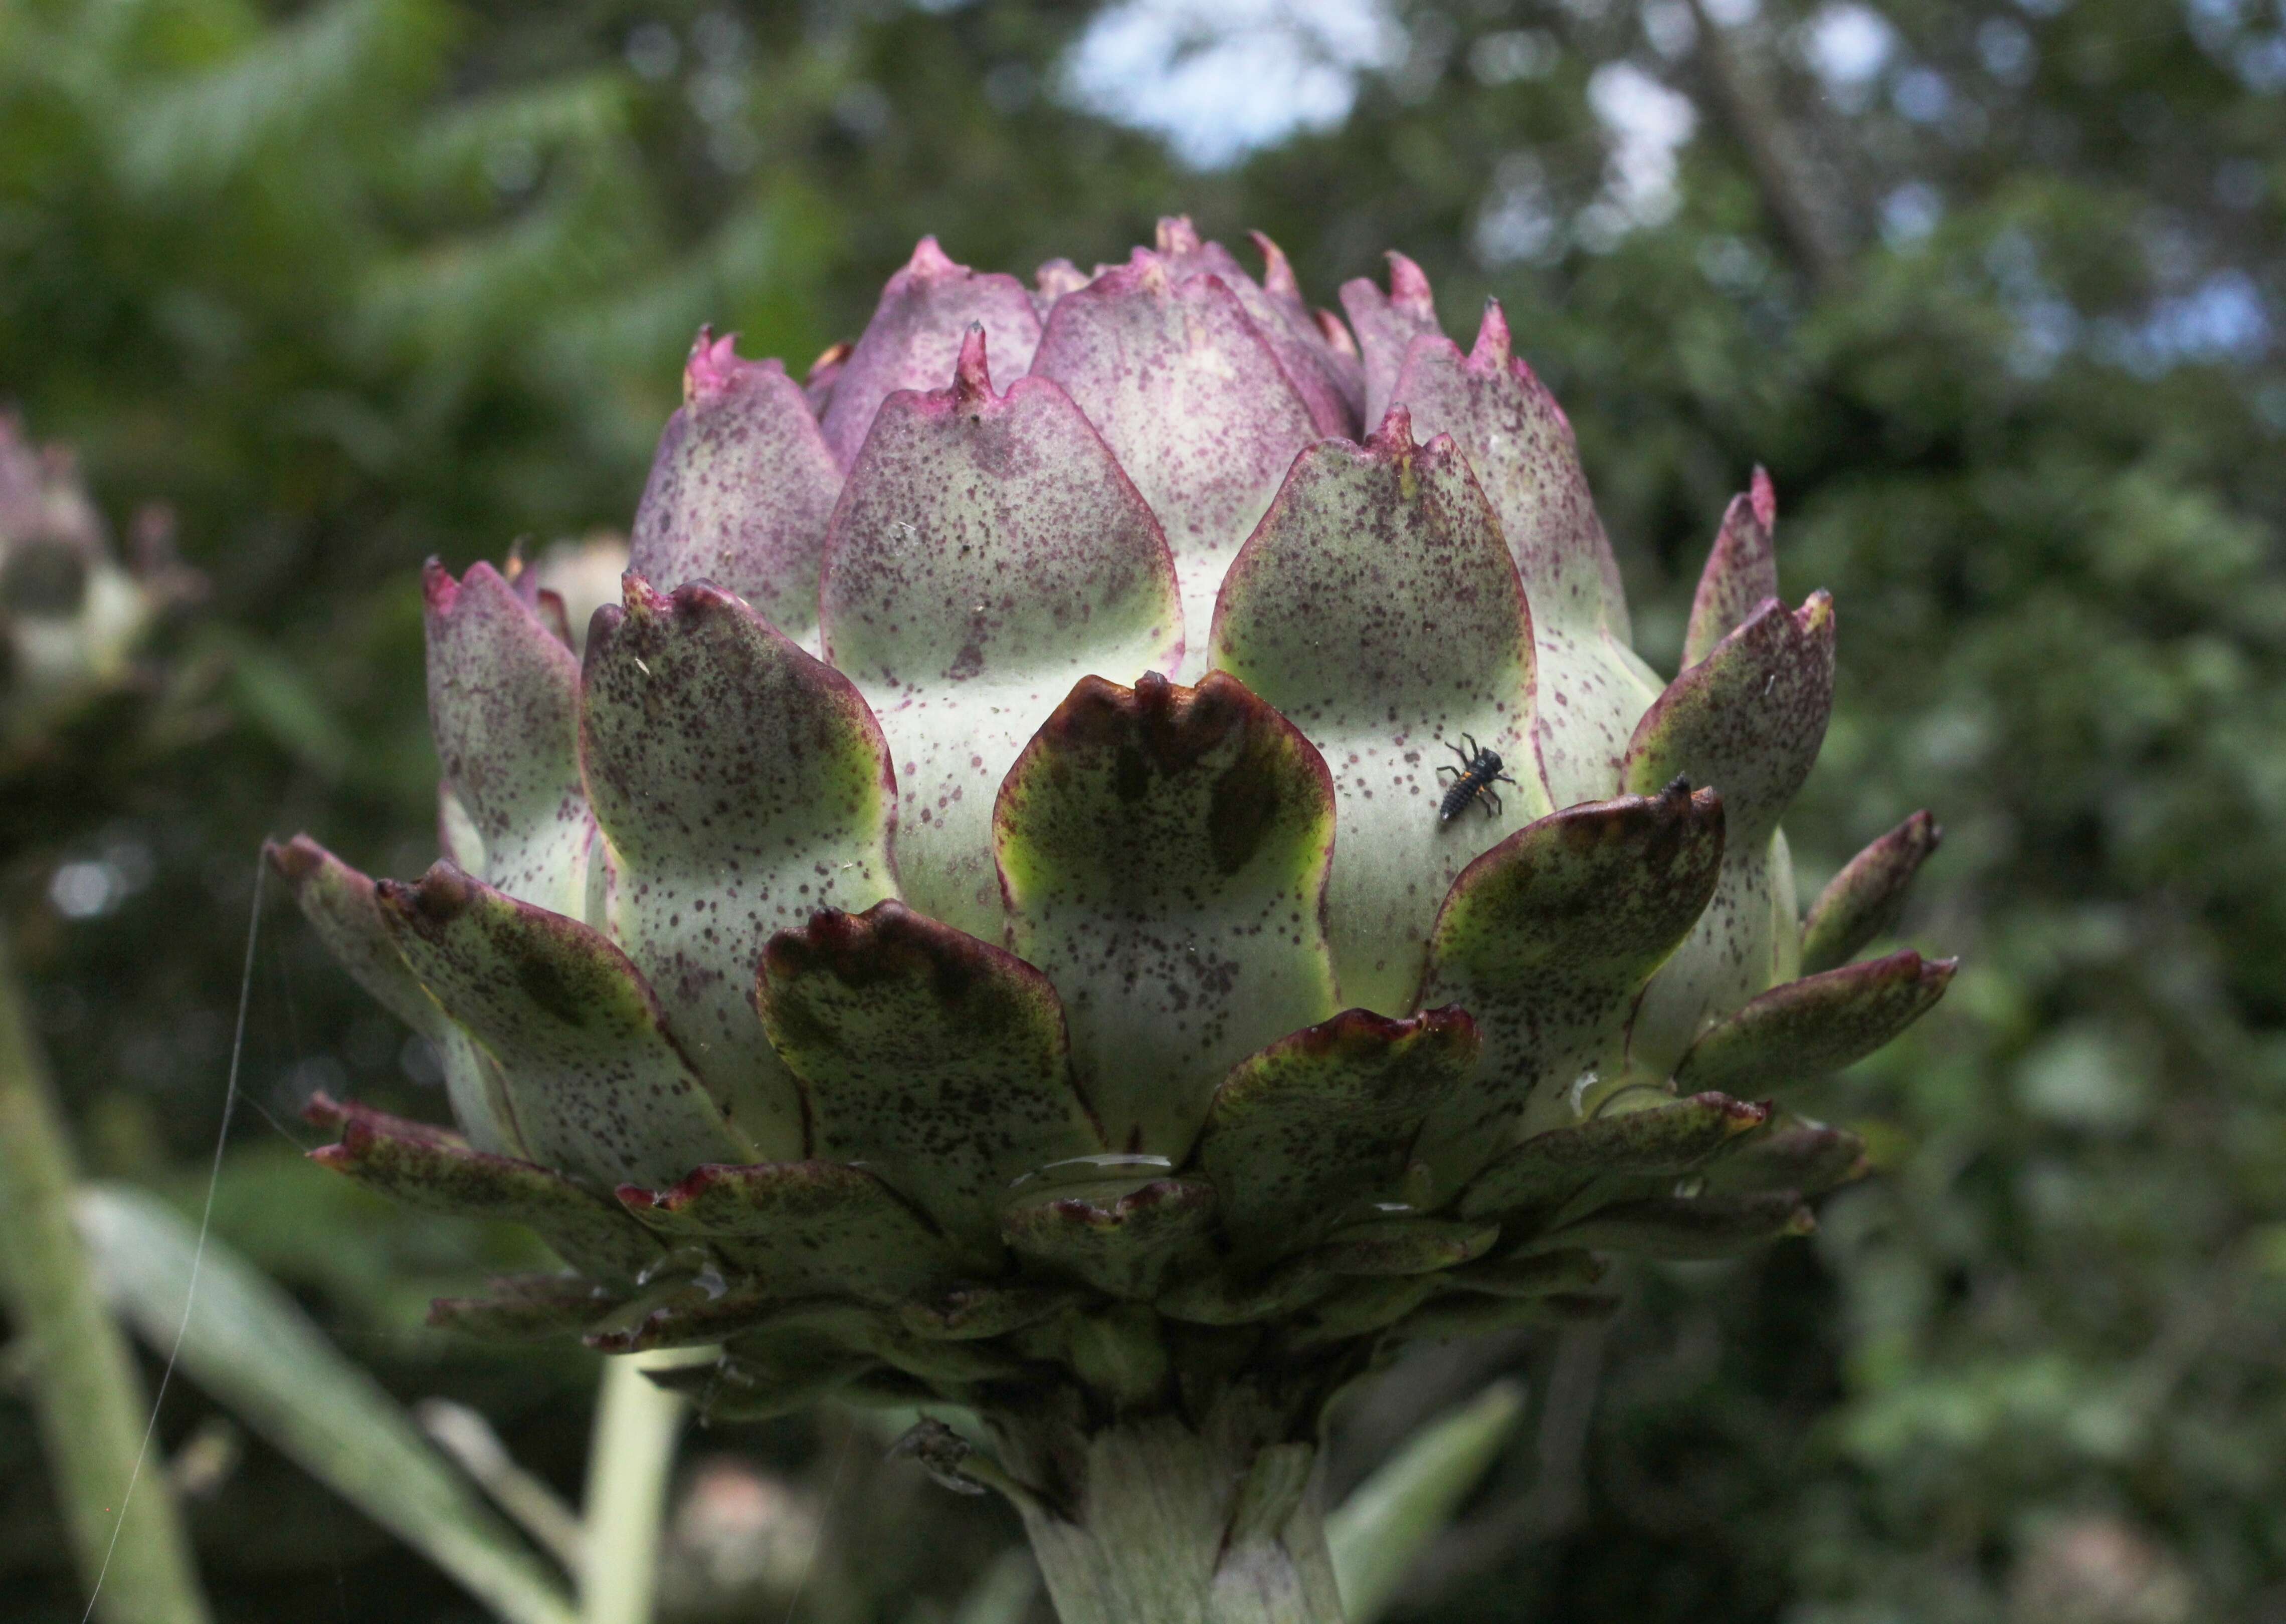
{"x":1690,"y":1189}
{"x":1096,"y":1169}
{"x":681,"y":1262}
{"x":1419,"y":1188}
{"x":675,"y":1264}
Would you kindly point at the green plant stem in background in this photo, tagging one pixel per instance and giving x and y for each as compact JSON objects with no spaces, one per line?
{"x":1006,"y":1592}
{"x":92,"y":1410}
{"x":248,"y":1345}
{"x":1380,"y":1528}
{"x":637,"y":1423}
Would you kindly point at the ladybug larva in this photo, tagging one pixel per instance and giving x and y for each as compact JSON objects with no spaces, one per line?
{"x":1472,"y":780}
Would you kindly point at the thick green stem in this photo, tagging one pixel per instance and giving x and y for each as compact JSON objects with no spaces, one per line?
{"x":1151,"y":1521}
{"x":637,"y":1425}
{"x":92,"y":1410}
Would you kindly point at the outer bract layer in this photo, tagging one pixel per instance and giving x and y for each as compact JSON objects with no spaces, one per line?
{"x":978,"y":923}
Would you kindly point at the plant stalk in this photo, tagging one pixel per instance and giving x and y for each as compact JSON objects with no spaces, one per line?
{"x":1150,"y":1521}
{"x":123,"y":1526}
{"x":637,"y":1423}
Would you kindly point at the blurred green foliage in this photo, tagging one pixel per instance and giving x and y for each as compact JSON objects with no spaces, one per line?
{"x":1994,"y":287}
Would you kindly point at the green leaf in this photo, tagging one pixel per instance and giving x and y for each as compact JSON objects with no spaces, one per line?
{"x":246,"y":1343}
{"x":274,"y":695}
{"x":1376,"y":1533}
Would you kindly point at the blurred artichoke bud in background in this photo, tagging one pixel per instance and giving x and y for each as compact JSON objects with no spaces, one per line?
{"x":73,"y":618}
{"x":570,"y":580}
{"x":1114,"y":866}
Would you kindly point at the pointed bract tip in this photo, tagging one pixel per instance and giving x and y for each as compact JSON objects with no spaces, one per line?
{"x":1737,"y":516}
{"x":438,"y":589}
{"x":1395,"y":434}
{"x":1408,"y":285}
{"x":1495,"y":345}
{"x":1799,"y":1223}
{"x":930,"y":261}
{"x":1359,"y":1028}
{"x":1277,"y":270}
{"x":640,"y":1199}
{"x":972,"y":380}
{"x":1739,"y":1115}
{"x":1334,"y":332}
{"x":322,"y":1110}
{"x":713,"y":368}
{"x":1177,"y":235}
{"x":642,"y":601}
{"x":1816,"y":614}
{"x":296,"y":860}
{"x":1764,"y":495}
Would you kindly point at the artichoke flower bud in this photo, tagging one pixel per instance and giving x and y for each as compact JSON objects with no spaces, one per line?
{"x":73,"y":616}
{"x":1111,"y":863}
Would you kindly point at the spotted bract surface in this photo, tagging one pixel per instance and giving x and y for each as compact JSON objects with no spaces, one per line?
{"x":982,"y":915}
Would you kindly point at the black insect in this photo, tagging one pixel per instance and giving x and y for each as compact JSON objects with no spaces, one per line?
{"x":1472,"y":780}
